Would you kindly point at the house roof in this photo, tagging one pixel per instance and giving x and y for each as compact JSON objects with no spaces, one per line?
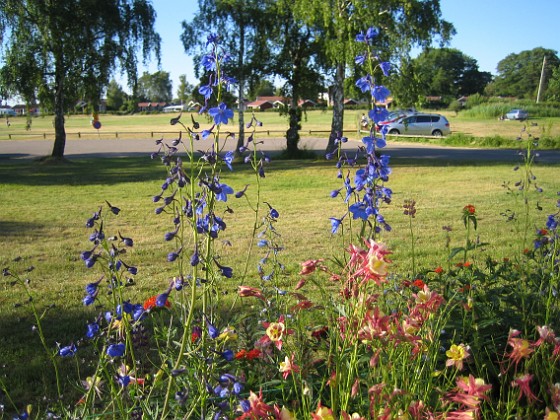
{"x":151,"y":104}
{"x":259,"y":103}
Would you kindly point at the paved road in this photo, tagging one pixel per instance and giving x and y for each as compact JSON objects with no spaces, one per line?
{"x":75,"y":149}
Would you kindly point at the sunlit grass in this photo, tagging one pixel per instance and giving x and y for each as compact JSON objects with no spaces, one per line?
{"x":44,"y":208}
{"x":315,"y":122}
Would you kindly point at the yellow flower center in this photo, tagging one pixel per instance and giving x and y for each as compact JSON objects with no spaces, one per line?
{"x":275,"y":331}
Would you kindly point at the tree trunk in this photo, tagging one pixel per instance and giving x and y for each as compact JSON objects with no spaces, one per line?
{"x":241,"y":97}
{"x":337,"y":123}
{"x":241,"y":136}
{"x":59,"y":131}
{"x":292,"y":135}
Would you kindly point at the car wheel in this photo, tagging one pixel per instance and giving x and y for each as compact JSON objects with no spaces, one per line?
{"x":437,"y":133}
{"x":394,"y":131}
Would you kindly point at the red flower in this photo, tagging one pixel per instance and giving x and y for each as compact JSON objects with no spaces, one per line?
{"x":248,"y":355}
{"x":419,"y":283}
{"x":438,"y":270}
{"x":469,"y":208}
{"x":150,"y":303}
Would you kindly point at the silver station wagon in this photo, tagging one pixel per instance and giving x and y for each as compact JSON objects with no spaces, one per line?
{"x":419,"y":125}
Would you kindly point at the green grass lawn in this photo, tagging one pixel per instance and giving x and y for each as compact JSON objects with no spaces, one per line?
{"x":43,"y":210}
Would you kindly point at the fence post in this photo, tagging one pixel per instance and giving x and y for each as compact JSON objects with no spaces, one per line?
{"x":116,"y":135}
{"x":79,"y":135}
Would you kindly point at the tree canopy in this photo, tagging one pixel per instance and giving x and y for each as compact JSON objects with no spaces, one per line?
{"x":62,"y":51}
{"x":243,"y":26}
{"x":449,"y":73}
{"x":519,"y":74}
{"x":155,"y":87}
{"x":335,"y":23}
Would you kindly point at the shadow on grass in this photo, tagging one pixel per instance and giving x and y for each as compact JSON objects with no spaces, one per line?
{"x":27,"y":370}
{"x":82,"y":172}
{"x":13,"y":229}
{"x":110,"y":171}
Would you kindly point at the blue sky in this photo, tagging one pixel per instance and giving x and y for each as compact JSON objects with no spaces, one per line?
{"x":487,"y":30}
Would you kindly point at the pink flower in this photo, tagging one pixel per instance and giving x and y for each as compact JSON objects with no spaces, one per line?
{"x":523,"y":382}
{"x":288,"y":366}
{"x":275,"y":332}
{"x":546,"y":335}
{"x":247,"y":291}
{"x":258,"y":409}
{"x":520,"y":348}
{"x":371,"y":264}
{"x":310,"y":266}
{"x":469,"y":392}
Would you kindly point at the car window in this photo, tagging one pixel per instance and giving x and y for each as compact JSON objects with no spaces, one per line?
{"x":409,"y":120}
{"x":435,"y":118}
{"x":423,"y":119}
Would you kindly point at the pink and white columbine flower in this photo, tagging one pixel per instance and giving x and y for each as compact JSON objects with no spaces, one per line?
{"x":288,"y":366}
{"x":370,"y":264}
{"x":275,"y":333}
{"x":469,"y":393}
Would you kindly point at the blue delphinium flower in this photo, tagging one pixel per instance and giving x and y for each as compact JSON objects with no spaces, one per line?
{"x":114,"y":210}
{"x":378,"y":114}
{"x":68,"y":351}
{"x":89,"y":299}
{"x":359,"y":211}
{"x":206,"y":91}
{"x":213,"y":332}
{"x":228,"y":355}
{"x":385,"y":67}
{"x":226,"y":271}
{"x":335,"y":223}
{"x":551,"y":222}
{"x":365,"y":83}
{"x":221,"y":114}
{"x":92,"y":329}
{"x":222,"y":191}
{"x":173,"y":255}
{"x":380,"y":93}
{"x":228,"y":159}
{"x":116,"y":350}
{"x":208,"y":61}
{"x":195,"y":258}
{"x":161,"y":299}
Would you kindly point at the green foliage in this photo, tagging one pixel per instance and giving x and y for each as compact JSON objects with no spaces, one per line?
{"x":184,"y":90}
{"x":449,"y":72}
{"x":68,"y":50}
{"x":116,"y":96}
{"x":519,"y":74}
{"x":155,"y":87}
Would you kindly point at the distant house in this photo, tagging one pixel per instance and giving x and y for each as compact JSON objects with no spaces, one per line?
{"x":263,"y":103}
{"x":21,"y":109}
{"x":307,"y":103}
{"x":386,"y":103}
{"x":151,"y":106}
{"x":175,"y":108}
{"x":260,"y":105}
{"x":350,"y":102}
